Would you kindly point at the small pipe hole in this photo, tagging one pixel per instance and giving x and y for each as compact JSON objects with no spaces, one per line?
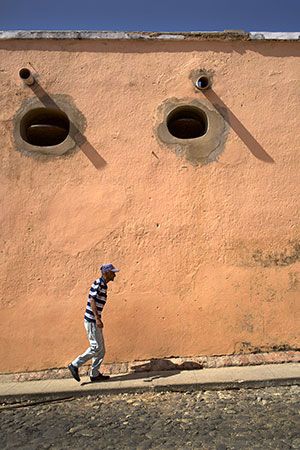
{"x":24,"y":74}
{"x":203,"y":82}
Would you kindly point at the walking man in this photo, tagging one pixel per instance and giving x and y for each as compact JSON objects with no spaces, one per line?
{"x":94,"y":325}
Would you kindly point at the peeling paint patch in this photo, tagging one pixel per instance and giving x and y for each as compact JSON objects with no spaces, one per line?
{"x":285,"y":258}
{"x":294,"y":281}
{"x":273,"y":296}
{"x":242,"y":347}
{"x":247,"y":347}
{"x":248,"y":322}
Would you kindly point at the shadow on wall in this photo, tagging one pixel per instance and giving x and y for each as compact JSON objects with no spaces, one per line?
{"x":80,"y":140}
{"x":252,"y":144}
{"x":155,"y":368}
{"x":165,"y":364}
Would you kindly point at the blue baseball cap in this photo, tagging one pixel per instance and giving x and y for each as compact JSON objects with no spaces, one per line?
{"x":108,"y":268}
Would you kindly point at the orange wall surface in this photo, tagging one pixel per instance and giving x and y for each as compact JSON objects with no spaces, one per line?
{"x":209,"y":255}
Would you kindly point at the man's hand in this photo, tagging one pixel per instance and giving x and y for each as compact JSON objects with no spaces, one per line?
{"x":99,"y":323}
{"x":94,"y":309}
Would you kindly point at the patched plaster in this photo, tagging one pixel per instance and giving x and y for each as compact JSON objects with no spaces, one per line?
{"x":62,"y":103}
{"x":198,"y":151}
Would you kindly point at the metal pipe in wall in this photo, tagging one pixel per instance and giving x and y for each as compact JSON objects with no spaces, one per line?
{"x":204,"y":82}
{"x":26,"y":76}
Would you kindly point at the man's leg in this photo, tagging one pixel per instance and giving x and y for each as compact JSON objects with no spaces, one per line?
{"x":98,"y":358}
{"x":96,"y":343}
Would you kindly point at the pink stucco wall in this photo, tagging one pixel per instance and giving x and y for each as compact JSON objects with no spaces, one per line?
{"x":209,"y":255}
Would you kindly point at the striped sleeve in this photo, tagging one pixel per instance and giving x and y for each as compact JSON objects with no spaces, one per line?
{"x":94,"y":288}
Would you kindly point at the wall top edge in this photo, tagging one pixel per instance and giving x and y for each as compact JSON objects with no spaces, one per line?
{"x":275,"y":36}
{"x":226,"y":35}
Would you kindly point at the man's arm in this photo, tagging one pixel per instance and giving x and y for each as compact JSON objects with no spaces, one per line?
{"x":99,"y":322}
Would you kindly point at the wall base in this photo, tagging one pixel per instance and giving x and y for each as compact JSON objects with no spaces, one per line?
{"x":157,"y":365}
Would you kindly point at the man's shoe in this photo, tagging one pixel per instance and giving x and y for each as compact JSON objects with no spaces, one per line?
{"x":74,"y":371}
{"x":99,"y":378}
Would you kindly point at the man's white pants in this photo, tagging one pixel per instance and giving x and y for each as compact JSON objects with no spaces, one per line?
{"x":95,"y":351}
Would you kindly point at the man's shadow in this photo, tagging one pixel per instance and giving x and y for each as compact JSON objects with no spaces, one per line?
{"x":154,"y":369}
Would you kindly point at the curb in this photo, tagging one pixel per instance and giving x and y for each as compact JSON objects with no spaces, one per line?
{"x":215,"y":386}
{"x":185,"y":381}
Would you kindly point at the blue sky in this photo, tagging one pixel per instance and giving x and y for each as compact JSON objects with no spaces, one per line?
{"x":155,"y":15}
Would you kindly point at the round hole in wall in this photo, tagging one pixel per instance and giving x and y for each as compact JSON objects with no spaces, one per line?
{"x":187,"y":122}
{"x":203,"y":82}
{"x":24,"y":73}
{"x":44,"y":127}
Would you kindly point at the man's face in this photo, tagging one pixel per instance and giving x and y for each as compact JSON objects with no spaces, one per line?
{"x":110,"y":276}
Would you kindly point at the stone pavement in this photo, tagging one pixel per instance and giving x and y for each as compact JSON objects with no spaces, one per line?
{"x":159,"y":381}
{"x":265,"y":418}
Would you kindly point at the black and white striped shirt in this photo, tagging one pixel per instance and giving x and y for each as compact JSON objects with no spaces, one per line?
{"x":98,"y":291}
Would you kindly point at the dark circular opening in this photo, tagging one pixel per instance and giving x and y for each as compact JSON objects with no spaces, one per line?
{"x":187,"y":122}
{"x":24,"y":74}
{"x":203,"y":82}
{"x":45,"y":127}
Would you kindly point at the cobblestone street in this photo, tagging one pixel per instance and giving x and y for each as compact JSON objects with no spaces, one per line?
{"x":267,"y":418}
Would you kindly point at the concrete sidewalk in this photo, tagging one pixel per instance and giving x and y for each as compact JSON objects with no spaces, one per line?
{"x":186,"y":380}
